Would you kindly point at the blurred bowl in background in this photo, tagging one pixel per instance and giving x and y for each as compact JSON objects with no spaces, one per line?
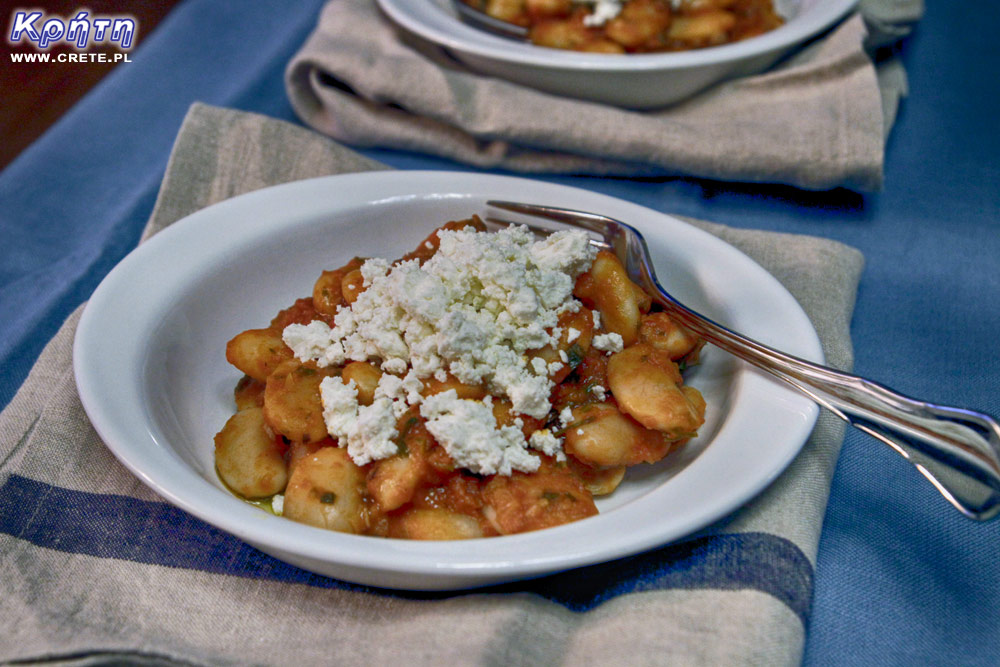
{"x":638,"y":81}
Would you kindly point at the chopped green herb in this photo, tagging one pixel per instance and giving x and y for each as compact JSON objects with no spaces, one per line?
{"x":403,"y":450}
{"x":574,"y":355}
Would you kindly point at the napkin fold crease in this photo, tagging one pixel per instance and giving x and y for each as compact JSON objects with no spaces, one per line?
{"x":818,"y":120}
{"x":95,"y":567}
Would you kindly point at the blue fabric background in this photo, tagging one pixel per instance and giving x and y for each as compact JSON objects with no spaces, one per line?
{"x":901,"y":578}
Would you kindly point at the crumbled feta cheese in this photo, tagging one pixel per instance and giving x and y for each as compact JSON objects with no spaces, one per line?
{"x":367,"y":431}
{"x":395,"y":366}
{"x":471,"y":311}
{"x":563,"y":252}
{"x":309,"y":341}
{"x":340,"y":405}
{"x":604,"y":11}
{"x":572,"y":334}
{"x":278,"y":504}
{"x":566,"y":416}
{"x":467,"y":430}
{"x":545,"y":442}
{"x":609,"y":342}
{"x":596,"y":316}
{"x":599,"y":392}
{"x":374,"y":433}
{"x":403,"y":392}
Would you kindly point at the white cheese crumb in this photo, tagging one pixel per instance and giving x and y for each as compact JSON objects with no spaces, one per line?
{"x":309,"y":341}
{"x":566,"y":416}
{"x":599,"y":392}
{"x":395,"y":366}
{"x":543,"y":441}
{"x":572,"y":334}
{"x":604,"y":11}
{"x":596,"y":316}
{"x":471,"y":311}
{"x":609,"y":342}
{"x":340,"y":405}
{"x":374,"y":434}
{"x":564,"y":251}
{"x":278,"y":504}
{"x":403,"y":392}
{"x":367,"y":431}
{"x":467,"y":430}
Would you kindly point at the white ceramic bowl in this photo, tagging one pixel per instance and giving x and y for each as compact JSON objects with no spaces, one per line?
{"x":149,"y":359}
{"x":640,"y":81}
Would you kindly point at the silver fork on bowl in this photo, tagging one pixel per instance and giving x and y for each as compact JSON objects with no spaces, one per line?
{"x":956,"y":449}
{"x":480,"y":19}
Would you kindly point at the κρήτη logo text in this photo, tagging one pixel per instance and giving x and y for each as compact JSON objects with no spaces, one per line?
{"x":79,"y":31}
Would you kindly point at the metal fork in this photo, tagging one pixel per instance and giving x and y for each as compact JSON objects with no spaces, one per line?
{"x":957,"y":449}
{"x":480,"y":19}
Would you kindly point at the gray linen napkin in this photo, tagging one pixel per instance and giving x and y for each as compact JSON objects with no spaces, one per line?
{"x":890,"y":20}
{"x":817,"y":121}
{"x":95,"y":567}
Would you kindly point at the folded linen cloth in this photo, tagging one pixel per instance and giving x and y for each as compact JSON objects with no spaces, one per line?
{"x":817,"y":121}
{"x":95,"y":567}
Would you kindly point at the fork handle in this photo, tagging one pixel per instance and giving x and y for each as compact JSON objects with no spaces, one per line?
{"x":958,"y":450}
